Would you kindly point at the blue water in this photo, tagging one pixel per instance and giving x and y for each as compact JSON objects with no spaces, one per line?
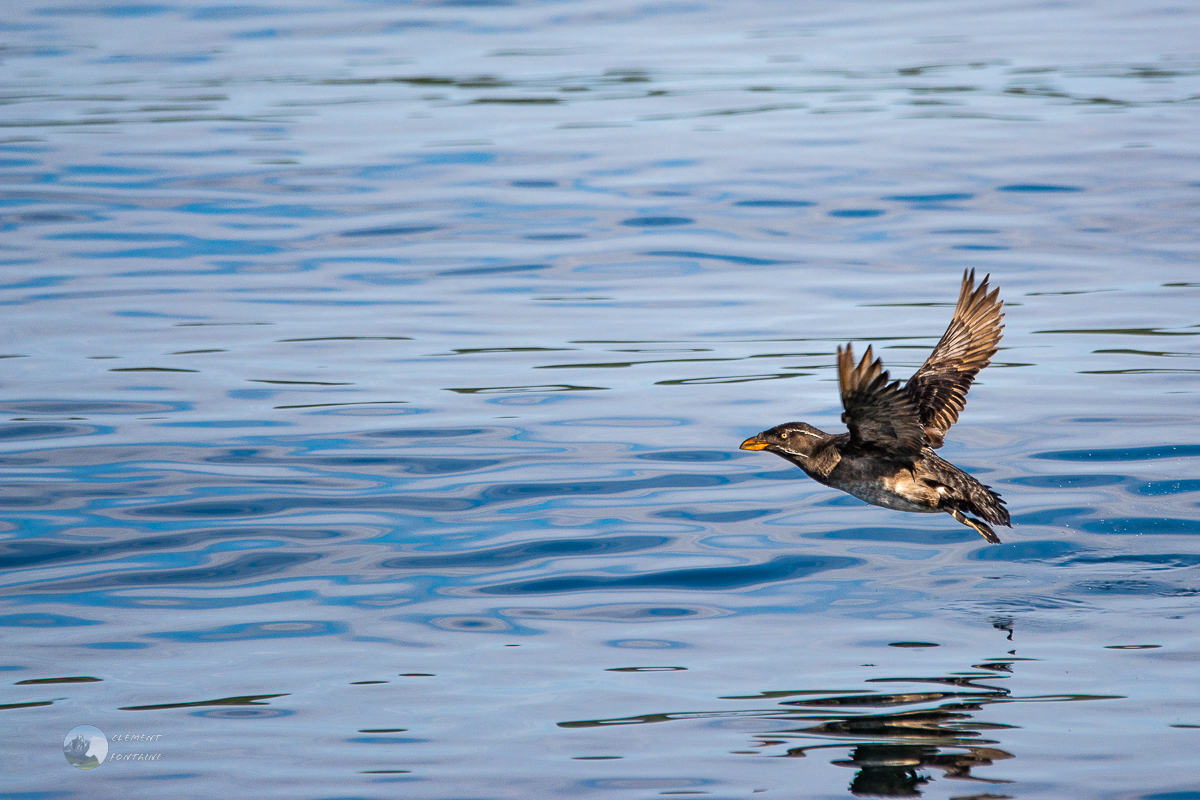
{"x":373,"y":375}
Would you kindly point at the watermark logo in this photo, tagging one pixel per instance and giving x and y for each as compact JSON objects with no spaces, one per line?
{"x":85,"y":747}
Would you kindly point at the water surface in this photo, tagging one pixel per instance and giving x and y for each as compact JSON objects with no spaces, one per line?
{"x":374,"y":374}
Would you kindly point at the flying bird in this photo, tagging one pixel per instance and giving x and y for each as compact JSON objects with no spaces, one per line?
{"x":887,"y":456}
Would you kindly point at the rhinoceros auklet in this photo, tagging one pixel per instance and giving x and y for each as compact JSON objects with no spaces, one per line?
{"x":887,"y":457}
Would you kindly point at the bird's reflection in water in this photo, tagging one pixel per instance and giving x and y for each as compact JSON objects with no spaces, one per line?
{"x":894,"y":770}
{"x":1004,"y":624}
{"x":889,"y":770}
{"x":894,"y":752}
{"x":900,"y":745}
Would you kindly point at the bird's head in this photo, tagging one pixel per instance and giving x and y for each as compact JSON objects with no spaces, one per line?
{"x":789,"y":439}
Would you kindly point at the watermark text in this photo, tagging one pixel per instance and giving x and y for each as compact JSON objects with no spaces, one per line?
{"x":135,"y":756}
{"x":135,"y":737}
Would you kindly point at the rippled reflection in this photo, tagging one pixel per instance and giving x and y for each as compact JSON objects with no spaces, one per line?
{"x":893,"y":753}
{"x":373,"y":376}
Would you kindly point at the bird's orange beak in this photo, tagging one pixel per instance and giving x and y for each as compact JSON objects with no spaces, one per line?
{"x":753,"y":443}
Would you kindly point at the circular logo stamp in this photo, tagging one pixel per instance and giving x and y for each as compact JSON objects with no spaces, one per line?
{"x":85,"y":747}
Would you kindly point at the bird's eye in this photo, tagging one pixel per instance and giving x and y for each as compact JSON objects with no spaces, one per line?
{"x":783,"y":435}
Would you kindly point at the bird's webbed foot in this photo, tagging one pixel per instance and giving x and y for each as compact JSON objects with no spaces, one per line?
{"x":981,"y":528}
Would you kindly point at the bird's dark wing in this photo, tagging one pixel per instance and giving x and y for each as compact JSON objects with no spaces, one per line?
{"x":940,"y":386}
{"x":879,"y":414}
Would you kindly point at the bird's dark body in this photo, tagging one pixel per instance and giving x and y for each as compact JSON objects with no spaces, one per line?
{"x":887,"y":458}
{"x":926,"y":483}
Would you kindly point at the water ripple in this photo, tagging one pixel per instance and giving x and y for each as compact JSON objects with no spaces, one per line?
{"x":1150,"y":453}
{"x":33,"y":552}
{"x":240,"y":569}
{"x":780,"y":568}
{"x":519,"y":554}
{"x":277,"y":419}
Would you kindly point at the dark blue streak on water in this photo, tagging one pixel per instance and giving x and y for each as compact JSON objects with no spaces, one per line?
{"x":415,"y":465}
{"x":45,"y":431}
{"x":1058,"y":515}
{"x":1123,"y":453}
{"x":774,"y":203}
{"x":239,"y":714}
{"x":1140,"y":525}
{"x":780,"y":568}
{"x":398,"y":231}
{"x":1168,"y":487}
{"x":282,"y":629}
{"x":930,"y":198}
{"x":1039,"y":188}
{"x":1027,"y":551}
{"x":732,"y":259}
{"x":686,"y":455}
{"x":1154,"y":560}
{"x":493,"y":270}
{"x":265,"y":506}
{"x":1128,"y":586}
{"x":33,"y":552}
{"x":216,"y":556}
{"x":42,"y":620}
{"x":656,"y":222}
{"x":857,"y":213}
{"x":518,"y":554}
{"x":426,"y":433}
{"x":261,"y":506}
{"x":89,"y":407}
{"x":253,"y":566}
{"x":930,"y":536}
{"x":716,"y":516}
{"x":524,"y":491}
{"x":1066,"y":481}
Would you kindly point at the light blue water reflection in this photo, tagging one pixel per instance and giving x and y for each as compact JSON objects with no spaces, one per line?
{"x":374,"y":374}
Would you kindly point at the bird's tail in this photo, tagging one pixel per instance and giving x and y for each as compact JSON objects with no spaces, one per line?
{"x":983,"y":502}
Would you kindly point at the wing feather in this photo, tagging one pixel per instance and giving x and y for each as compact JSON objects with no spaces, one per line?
{"x":939,"y":388}
{"x":878,"y":413}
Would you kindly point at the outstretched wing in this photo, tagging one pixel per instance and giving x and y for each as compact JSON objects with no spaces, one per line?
{"x":879,"y":414}
{"x":939,"y":389}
